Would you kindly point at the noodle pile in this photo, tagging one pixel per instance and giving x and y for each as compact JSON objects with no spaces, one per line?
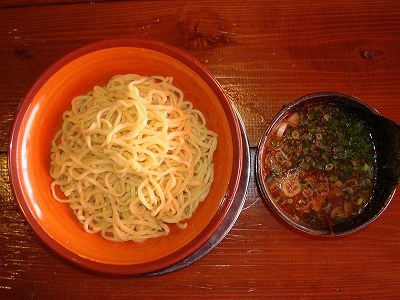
{"x":132,"y":157}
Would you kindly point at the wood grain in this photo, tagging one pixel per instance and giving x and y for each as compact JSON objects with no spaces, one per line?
{"x":259,"y":53}
{"x":258,"y":258}
{"x":26,"y":3}
{"x":265,"y":54}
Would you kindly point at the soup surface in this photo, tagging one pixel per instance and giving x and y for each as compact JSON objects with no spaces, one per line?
{"x":319,"y":165}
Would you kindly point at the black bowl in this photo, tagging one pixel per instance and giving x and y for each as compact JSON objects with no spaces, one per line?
{"x":386,"y":138}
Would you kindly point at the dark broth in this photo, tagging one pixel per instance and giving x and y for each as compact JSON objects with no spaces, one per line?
{"x":319,"y":165}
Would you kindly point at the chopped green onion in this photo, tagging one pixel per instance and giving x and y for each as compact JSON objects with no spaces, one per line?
{"x":295,"y":134}
{"x":366,"y":168}
{"x":340,"y":220}
{"x":348,"y":191}
{"x":338,"y":183}
{"x":270,"y":177}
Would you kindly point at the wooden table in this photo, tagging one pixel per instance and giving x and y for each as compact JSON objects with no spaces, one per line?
{"x":265,"y":54}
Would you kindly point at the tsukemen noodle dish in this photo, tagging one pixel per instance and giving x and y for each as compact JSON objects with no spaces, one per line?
{"x":319,"y":165}
{"x":133,"y":158}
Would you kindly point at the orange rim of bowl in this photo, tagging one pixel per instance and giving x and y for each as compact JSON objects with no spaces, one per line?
{"x":17,"y":182}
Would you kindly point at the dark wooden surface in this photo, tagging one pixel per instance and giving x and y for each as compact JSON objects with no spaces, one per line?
{"x":265,"y":54}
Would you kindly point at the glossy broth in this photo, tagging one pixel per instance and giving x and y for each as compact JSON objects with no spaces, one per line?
{"x":319,"y":165}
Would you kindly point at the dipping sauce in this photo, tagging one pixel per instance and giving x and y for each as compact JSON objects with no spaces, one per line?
{"x":319,"y":165}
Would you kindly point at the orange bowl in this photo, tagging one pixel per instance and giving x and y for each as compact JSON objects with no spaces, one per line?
{"x":40,"y":117}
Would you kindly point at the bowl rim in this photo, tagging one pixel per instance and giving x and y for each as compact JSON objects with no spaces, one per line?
{"x":233,"y":184}
{"x":260,"y":181}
